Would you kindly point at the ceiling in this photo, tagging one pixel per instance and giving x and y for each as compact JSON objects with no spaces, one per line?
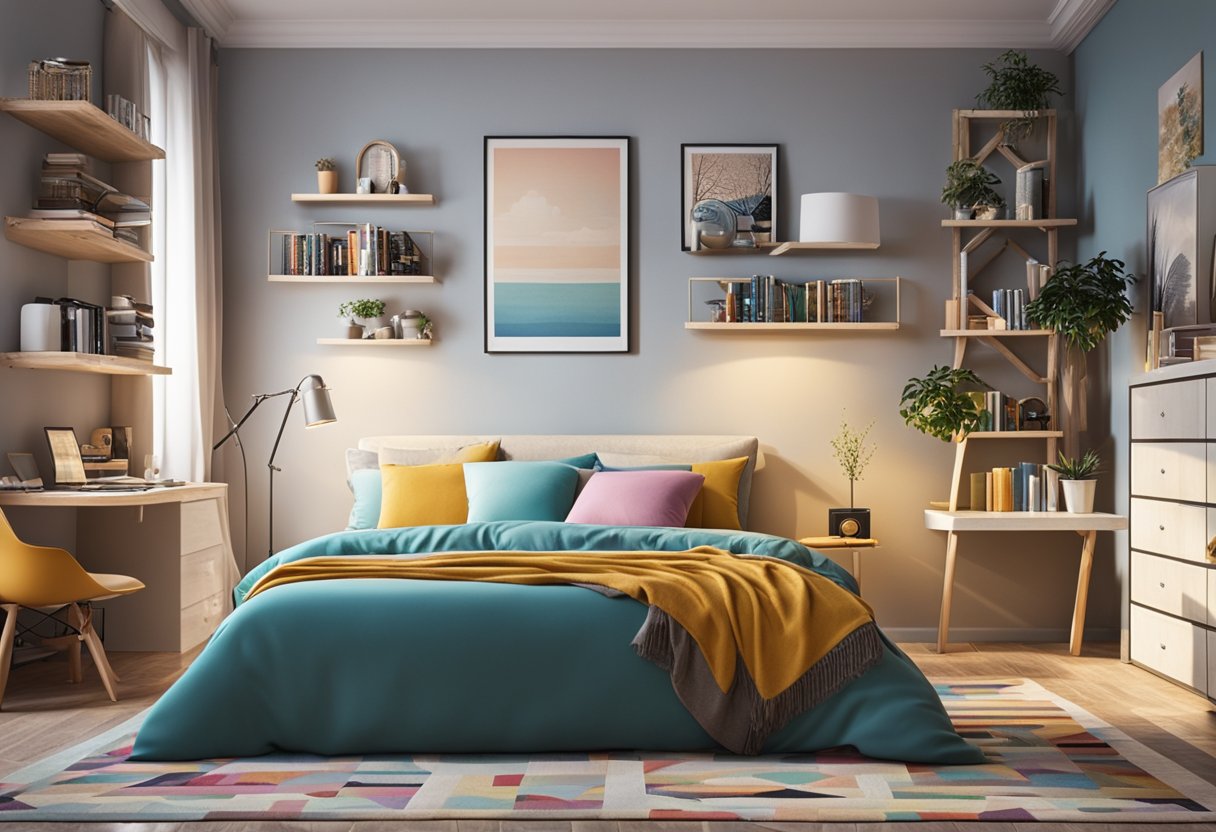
{"x":1045,"y":24}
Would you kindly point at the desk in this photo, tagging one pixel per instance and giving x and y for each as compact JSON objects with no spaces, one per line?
{"x":1086,"y":525}
{"x":835,"y":542}
{"x":176,"y":540}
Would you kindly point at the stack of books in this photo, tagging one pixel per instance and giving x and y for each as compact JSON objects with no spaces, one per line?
{"x":1010,"y":304}
{"x":81,"y":325}
{"x":364,"y":250}
{"x":130,"y":325}
{"x":68,"y":191}
{"x":1030,"y":486}
{"x":766,"y":299}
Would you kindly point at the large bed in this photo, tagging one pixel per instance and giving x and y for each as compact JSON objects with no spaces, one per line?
{"x":389,"y":665}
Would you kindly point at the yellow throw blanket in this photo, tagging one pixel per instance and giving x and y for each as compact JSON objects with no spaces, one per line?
{"x":778,"y":617}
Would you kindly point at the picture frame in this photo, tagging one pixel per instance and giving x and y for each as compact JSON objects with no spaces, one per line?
{"x":557,"y":244}
{"x":1173,"y":251}
{"x":1180,"y":120}
{"x":744,"y":176}
{"x":380,"y":162}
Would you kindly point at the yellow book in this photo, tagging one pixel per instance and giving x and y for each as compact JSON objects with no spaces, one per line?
{"x":988,"y":491}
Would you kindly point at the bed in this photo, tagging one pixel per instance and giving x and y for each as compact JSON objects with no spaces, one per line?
{"x":390,"y":665}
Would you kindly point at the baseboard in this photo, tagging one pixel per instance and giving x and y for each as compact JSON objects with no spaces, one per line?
{"x":1030,"y":634}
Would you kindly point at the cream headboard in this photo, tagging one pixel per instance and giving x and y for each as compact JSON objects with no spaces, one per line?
{"x":526,"y":446}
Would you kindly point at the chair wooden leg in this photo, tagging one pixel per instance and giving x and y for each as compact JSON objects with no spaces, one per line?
{"x":89,"y":635}
{"x":6,"y":645}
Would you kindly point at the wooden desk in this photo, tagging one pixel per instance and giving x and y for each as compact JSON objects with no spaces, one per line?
{"x":835,"y":542}
{"x":176,"y":540}
{"x":1086,"y":525}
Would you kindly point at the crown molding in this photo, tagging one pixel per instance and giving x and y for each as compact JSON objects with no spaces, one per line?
{"x":1072,"y":20}
{"x":614,"y":34}
{"x":215,"y":16}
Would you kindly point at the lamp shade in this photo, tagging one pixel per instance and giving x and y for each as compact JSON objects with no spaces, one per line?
{"x":838,"y":220}
{"x":318,"y":409}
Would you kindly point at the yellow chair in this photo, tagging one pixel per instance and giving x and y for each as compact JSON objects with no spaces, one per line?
{"x":46,"y":578}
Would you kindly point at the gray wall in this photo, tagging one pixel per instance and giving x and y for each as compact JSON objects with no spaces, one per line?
{"x":1119,"y":67}
{"x":31,"y":399}
{"x":873,"y":122}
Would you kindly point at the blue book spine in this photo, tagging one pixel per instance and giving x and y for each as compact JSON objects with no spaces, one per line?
{"x":1019,"y":490}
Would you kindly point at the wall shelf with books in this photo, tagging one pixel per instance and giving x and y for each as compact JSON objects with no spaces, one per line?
{"x":74,"y":239}
{"x":1041,"y":224}
{"x":80,"y":362}
{"x":375,"y":342}
{"x":366,"y":199}
{"x":83,"y":126}
{"x":767,"y":303}
{"x":759,"y":248}
{"x":380,"y":279}
{"x":778,"y":249}
{"x":347,"y":251}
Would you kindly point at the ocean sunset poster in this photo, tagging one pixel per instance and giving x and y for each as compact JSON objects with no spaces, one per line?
{"x":557,"y":245}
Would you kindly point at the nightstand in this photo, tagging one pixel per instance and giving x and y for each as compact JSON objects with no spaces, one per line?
{"x":854,"y":543}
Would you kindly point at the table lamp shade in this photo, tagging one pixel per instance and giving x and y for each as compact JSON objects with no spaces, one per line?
{"x":318,"y":409}
{"x":839,"y":220}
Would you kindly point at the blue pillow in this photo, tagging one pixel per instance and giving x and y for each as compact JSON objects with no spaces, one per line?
{"x":519,"y":490}
{"x":585,"y":461}
{"x":365,"y":513}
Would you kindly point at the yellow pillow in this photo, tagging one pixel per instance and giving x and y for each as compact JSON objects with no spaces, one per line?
{"x":428,"y":495}
{"x":717,"y":506}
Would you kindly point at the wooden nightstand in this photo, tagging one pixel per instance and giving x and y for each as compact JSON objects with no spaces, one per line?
{"x":854,"y":543}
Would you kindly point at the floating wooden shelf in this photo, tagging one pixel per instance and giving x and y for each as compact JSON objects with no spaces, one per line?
{"x":79,"y":362}
{"x":784,"y":248}
{"x":73,"y":239}
{"x":1026,"y":521}
{"x":759,"y":248}
{"x":996,"y":333}
{"x":1015,"y":434}
{"x":1040,"y":223}
{"x":327,"y":279}
{"x":374,"y":342}
{"x":366,"y":199}
{"x":122,"y":465}
{"x":845,"y":326}
{"x":84,"y":127}
{"x":1004,"y":115}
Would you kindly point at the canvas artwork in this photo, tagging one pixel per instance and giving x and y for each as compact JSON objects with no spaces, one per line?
{"x":557,"y":244}
{"x":744,"y":176}
{"x":1180,"y":120}
{"x":1172,"y":250}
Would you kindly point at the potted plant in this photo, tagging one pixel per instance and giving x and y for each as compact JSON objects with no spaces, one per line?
{"x":426,"y":327}
{"x":1016,"y":84}
{"x":1077,"y":476}
{"x":327,"y":176}
{"x":360,"y":314}
{"x":851,"y":450}
{"x":936,"y":405}
{"x":968,"y":184}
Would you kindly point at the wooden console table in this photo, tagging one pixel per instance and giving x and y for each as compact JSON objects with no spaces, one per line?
{"x":1086,"y":525}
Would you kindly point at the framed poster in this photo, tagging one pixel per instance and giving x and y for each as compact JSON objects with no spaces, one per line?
{"x":743,"y":176}
{"x":1180,"y":120}
{"x":557,"y":244}
{"x":1173,"y":250}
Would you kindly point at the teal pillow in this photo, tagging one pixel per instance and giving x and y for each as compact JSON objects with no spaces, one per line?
{"x":584,"y":461}
{"x":365,"y":513}
{"x":519,"y":490}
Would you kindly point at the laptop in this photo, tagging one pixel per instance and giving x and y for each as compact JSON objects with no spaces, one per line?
{"x":69,"y":467}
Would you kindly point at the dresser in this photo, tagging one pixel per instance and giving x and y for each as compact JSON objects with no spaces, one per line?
{"x":1173,"y":517}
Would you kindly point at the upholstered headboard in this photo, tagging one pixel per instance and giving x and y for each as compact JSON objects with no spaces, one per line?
{"x":676,"y":447}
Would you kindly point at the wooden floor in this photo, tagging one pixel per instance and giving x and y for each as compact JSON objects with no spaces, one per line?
{"x":42,"y":714}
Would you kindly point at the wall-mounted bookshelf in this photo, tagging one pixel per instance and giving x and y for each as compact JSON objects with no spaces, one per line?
{"x":886,"y":289}
{"x":348,"y":279}
{"x":83,"y":126}
{"x":841,"y":326}
{"x":374,"y":342}
{"x":366,"y":199}
{"x":79,"y":362}
{"x":779,"y":249}
{"x":328,"y":248}
{"x":73,"y":239}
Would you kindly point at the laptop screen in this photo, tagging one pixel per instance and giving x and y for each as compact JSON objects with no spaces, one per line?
{"x":65,"y":456}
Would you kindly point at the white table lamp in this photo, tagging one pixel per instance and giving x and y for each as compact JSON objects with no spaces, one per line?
{"x":839,"y":220}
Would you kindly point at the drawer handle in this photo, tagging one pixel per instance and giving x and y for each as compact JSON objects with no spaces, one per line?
{"x":1163,"y":414}
{"x":1163,"y":470}
{"x":1163,"y":647}
{"x":1161,"y":527}
{"x":1162,"y":584}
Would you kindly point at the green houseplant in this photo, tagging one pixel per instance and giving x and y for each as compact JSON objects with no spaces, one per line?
{"x":327,"y":176}
{"x":1014,"y":83}
{"x":937,"y":405}
{"x":365,"y":310}
{"x":970,"y":184}
{"x":1084,"y":302}
{"x":1077,"y":476}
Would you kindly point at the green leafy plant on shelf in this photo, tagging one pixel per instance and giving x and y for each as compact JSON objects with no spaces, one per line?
{"x":851,"y":450}
{"x":1085,"y":467}
{"x":1084,"y":302}
{"x":1014,"y":83}
{"x":938,"y":405}
{"x":970,"y":184}
{"x":361,"y":309}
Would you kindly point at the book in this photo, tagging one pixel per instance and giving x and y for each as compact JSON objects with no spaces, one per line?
{"x":979,"y":492}
{"x":988,"y":491}
{"x":69,"y":214}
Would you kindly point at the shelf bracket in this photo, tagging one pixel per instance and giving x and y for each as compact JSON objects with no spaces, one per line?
{"x":1021,"y":366}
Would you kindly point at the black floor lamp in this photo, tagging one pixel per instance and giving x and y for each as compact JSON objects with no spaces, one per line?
{"x":318,"y":410}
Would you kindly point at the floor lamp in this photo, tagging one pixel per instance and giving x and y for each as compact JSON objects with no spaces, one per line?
{"x":318,"y":410}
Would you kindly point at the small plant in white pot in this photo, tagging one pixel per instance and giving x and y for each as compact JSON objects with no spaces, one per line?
{"x":1077,"y":477}
{"x":359,"y":314}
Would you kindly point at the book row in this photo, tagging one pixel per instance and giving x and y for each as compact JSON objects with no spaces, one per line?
{"x":1029,"y":486}
{"x":362,"y":251}
{"x":766,"y":299}
{"x":999,"y":412}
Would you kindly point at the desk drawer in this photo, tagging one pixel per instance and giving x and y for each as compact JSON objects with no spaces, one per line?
{"x":1169,"y":529}
{"x":1173,"y":648}
{"x":202,"y":575}
{"x":1170,"y":586}
{"x":1174,"y":470}
{"x":1170,"y":411}
{"x":200,"y":620}
{"x":201,"y":526}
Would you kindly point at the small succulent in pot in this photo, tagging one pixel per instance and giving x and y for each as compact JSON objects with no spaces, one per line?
{"x":327,"y":176}
{"x":364,"y":310}
{"x":325,"y":163}
{"x":1077,"y":478}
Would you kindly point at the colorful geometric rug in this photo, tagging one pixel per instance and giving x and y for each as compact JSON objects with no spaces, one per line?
{"x":1048,"y":761}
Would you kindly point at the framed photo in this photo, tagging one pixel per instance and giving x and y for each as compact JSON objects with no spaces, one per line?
{"x":1180,"y":120}
{"x":380,"y":162}
{"x":557,"y":244}
{"x":1174,"y":256}
{"x":743,"y":176}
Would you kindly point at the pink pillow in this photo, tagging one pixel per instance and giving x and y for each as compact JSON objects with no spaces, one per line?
{"x":636,"y":498}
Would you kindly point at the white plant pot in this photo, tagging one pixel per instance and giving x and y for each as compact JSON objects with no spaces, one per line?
{"x":1079,"y":495}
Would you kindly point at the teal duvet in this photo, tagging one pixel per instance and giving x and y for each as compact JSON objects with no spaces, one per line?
{"x":399,"y":666}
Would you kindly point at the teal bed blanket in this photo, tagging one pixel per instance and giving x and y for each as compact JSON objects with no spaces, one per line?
{"x":402,"y":666}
